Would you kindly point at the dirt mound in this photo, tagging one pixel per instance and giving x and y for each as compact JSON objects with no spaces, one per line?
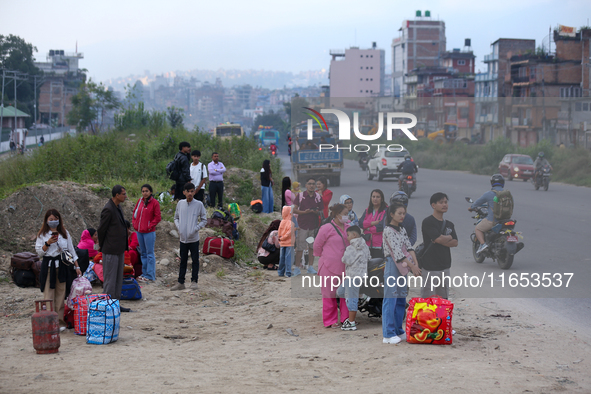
{"x":243,"y":186}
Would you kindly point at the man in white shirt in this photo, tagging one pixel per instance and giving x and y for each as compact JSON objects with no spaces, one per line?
{"x":198,"y":175}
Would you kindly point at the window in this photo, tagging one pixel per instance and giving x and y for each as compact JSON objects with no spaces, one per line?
{"x":366,"y":91}
{"x":361,"y":91}
{"x":571,"y":91}
{"x":585,"y":106}
{"x":578,"y":107}
{"x":366,"y":55}
{"x":461,"y":62}
{"x":361,"y":55}
{"x":367,"y":79}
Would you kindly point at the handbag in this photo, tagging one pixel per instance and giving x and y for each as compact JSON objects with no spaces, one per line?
{"x":66,"y":258}
{"x":271,"y":248}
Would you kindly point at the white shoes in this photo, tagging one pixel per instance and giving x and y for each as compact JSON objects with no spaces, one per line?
{"x":393,"y":340}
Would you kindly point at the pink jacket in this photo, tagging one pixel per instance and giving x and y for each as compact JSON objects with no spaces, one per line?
{"x":289,"y":197}
{"x":86,"y":242}
{"x":330,"y":247}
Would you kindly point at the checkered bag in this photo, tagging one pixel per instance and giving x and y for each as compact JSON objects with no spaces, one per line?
{"x":103,"y":322}
{"x":80,"y":306}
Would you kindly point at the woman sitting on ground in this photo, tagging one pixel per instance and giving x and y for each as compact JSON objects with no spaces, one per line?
{"x":269,"y":255}
{"x":88,"y":241}
{"x":132,"y":250}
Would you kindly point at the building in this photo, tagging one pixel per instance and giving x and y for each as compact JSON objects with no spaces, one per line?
{"x":62,"y":78}
{"x":490,"y":86}
{"x":461,"y":62}
{"x":357,"y":72}
{"x":420,"y":43}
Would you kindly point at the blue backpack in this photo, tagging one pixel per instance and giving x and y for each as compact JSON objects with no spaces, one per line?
{"x":130,"y":289}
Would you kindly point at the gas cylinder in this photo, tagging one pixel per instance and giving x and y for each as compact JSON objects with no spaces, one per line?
{"x":46,"y":329}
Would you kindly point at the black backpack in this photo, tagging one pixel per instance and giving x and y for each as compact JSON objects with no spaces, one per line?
{"x":172,"y":169}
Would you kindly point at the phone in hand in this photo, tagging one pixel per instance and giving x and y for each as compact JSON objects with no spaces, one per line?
{"x":54,"y":234}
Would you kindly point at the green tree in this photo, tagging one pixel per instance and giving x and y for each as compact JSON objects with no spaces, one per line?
{"x":175,"y":116}
{"x":17,"y":55}
{"x":90,"y":106}
{"x":270,"y":119}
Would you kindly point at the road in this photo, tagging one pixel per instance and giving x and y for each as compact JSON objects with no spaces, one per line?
{"x":555,"y":226}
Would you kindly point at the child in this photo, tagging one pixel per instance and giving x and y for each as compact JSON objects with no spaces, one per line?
{"x":198,"y":175}
{"x":190,"y":216}
{"x":347,"y":201}
{"x":355,"y":259}
{"x":286,"y":240}
{"x":295,"y":188}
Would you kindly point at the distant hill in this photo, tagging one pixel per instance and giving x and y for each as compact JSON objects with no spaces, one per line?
{"x":261,"y":78}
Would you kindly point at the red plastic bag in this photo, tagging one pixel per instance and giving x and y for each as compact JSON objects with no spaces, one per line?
{"x":428,"y":320}
{"x":81,"y":311}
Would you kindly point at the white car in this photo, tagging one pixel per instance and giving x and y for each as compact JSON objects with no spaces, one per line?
{"x":384,"y":164}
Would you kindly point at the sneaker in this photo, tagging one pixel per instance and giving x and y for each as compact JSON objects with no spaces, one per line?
{"x":193,"y":286}
{"x":62,"y":328}
{"x":481,"y":248}
{"x":178,"y":286}
{"x":311,"y":270}
{"x":453,"y":332}
{"x":348,"y":326}
{"x":296,"y":272}
{"x":402,"y":336}
{"x":393,"y":340}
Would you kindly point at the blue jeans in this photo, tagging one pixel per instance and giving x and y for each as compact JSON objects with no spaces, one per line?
{"x":285,"y":261}
{"x":351,"y":293}
{"x":393,"y":308}
{"x":147,"y":241}
{"x":267,"y":192}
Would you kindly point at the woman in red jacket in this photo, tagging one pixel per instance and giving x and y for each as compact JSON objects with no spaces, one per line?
{"x":146,"y":216}
{"x":321,"y":188}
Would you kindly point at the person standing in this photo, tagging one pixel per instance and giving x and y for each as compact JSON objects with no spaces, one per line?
{"x":190,"y":217}
{"x":146,"y":216}
{"x":286,"y":236}
{"x":112,"y":234}
{"x":409,"y":223}
{"x":52,"y":239}
{"x":372,"y":222}
{"x":198,"y":175}
{"x":436,"y":261}
{"x":267,"y":187}
{"x":216,"y":171}
{"x":322,"y":189}
{"x":308,"y":206}
{"x":183,"y":160}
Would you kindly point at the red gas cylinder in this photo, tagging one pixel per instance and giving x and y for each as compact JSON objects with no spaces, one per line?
{"x":46,"y":329}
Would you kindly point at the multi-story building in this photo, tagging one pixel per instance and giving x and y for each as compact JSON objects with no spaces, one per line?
{"x":490,"y":86}
{"x":62,"y":78}
{"x":357,"y":72}
{"x":421,"y":43}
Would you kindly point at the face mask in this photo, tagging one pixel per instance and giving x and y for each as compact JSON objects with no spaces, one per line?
{"x":345,"y":219}
{"x":96,"y":247}
{"x":53,"y":223}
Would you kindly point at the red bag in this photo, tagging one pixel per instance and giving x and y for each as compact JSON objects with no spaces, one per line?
{"x":428,"y":320}
{"x":81,"y":311}
{"x":221,"y":246}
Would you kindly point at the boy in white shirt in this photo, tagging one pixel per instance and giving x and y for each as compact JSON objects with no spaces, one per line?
{"x":198,"y":175}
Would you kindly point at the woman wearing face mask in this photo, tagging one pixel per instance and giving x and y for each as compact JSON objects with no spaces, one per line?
{"x":330,"y":245}
{"x":146,"y":216}
{"x":52,"y":239}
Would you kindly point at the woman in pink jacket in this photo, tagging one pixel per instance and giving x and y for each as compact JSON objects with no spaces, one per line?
{"x":88,"y":239}
{"x":372,"y":222}
{"x":330,"y":245}
{"x":146,"y":216}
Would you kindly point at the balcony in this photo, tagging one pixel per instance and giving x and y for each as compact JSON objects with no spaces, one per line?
{"x":411,"y":79}
{"x":491,"y":58}
{"x":485,"y":77}
{"x":488,"y":118}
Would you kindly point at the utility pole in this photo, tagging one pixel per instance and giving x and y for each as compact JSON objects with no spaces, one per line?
{"x":2,"y":102}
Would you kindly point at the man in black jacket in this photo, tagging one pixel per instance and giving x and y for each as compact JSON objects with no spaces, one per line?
{"x":183,"y":159}
{"x":112,"y":235}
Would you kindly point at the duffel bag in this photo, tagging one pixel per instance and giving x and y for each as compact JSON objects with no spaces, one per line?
{"x":221,"y":246}
{"x":80,"y":305}
{"x":23,"y":260}
{"x":130,"y":289}
{"x":23,"y":278}
{"x":102,"y":326}
{"x":428,"y":320}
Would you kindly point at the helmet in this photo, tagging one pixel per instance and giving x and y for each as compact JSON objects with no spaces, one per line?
{"x":407,"y":157}
{"x":541,"y":154}
{"x":497,"y":180}
{"x":399,"y":197}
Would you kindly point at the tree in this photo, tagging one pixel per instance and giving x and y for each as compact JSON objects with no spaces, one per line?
{"x":270,"y":119}
{"x":175,"y":116}
{"x":90,"y":105}
{"x":17,"y":55}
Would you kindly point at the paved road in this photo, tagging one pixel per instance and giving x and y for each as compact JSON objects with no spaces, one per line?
{"x":555,"y":225}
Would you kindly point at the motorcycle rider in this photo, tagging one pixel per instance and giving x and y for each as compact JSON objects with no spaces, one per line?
{"x":540,"y":162}
{"x":407,"y":167}
{"x":497,"y":182}
{"x":273,"y":148}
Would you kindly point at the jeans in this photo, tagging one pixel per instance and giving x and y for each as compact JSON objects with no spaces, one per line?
{"x":216,"y":188}
{"x":147,"y":241}
{"x":184,"y":251}
{"x":267,"y":192}
{"x":285,"y":261}
{"x":393,"y":308}
{"x":350,"y":292}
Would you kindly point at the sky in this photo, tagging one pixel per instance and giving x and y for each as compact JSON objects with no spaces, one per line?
{"x":128,"y":37}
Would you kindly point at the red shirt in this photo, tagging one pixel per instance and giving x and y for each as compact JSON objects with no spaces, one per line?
{"x":308,"y":221}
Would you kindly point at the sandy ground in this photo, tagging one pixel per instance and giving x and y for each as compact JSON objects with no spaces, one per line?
{"x":232,"y":336}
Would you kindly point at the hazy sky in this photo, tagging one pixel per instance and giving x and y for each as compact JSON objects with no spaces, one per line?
{"x":124,"y":37}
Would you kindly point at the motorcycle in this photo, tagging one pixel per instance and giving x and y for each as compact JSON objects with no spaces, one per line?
{"x":502,"y":239}
{"x":363,"y":160}
{"x":273,"y":150}
{"x":407,"y":184}
{"x":542,"y":178}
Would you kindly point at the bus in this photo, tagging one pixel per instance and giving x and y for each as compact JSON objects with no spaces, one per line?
{"x":228,"y":130}
{"x":268,"y":135}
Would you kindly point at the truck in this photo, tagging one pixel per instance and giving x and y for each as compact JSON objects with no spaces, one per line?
{"x":308,"y":160}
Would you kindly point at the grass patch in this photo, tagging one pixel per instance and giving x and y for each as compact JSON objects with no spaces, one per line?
{"x":242,"y":252}
{"x":221,"y":273}
{"x":257,"y":274}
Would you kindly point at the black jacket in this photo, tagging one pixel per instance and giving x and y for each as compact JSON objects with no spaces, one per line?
{"x":112,"y":231}
{"x":407,"y":167}
{"x":184,"y":166}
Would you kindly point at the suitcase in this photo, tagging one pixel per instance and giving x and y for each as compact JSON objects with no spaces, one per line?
{"x":130,"y":289}
{"x":221,"y":246}
{"x":428,"y":320}
{"x":23,"y":260}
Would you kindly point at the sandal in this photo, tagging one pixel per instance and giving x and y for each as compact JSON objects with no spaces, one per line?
{"x":142,"y":279}
{"x":274,"y":268}
{"x":335,"y":325}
